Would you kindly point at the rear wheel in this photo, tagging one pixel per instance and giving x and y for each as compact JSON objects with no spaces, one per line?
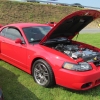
{"x":42,"y":73}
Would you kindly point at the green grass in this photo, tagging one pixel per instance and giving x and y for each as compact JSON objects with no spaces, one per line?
{"x":18,"y":85}
{"x":15,"y":12}
{"x":11,"y":12}
{"x":92,"y":39}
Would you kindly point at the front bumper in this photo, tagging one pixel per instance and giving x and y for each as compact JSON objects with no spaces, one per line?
{"x":78,"y":80}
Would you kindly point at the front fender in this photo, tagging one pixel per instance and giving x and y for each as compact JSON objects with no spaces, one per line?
{"x":54,"y":58}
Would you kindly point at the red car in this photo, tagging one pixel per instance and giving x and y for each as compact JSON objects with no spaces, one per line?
{"x":52,"y":24}
{"x":50,"y":54}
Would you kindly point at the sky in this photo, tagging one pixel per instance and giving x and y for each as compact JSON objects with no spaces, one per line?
{"x":92,"y":3}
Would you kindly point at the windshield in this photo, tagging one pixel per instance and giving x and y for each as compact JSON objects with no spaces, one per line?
{"x":35,"y":34}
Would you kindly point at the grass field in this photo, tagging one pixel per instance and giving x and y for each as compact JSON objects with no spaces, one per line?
{"x":93,"y":39}
{"x":18,"y":85}
{"x":12,"y":12}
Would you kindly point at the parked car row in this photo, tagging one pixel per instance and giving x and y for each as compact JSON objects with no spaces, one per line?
{"x":77,"y":5}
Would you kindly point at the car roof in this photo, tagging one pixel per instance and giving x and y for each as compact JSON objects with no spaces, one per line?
{"x":22,"y":25}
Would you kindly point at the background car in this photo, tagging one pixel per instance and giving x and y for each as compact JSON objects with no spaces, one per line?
{"x":77,"y":5}
{"x":1,"y":95}
{"x":52,"y":24}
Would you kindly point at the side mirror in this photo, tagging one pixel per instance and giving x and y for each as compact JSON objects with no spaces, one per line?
{"x":18,"y":40}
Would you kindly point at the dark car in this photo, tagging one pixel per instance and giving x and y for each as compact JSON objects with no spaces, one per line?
{"x":77,"y":5}
{"x":1,"y":95}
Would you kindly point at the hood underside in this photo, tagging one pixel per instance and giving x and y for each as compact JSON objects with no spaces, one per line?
{"x":72,"y":24}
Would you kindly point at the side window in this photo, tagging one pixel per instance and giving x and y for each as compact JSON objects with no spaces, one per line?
{"x":13,"y":33}
{"x":3,"y":32}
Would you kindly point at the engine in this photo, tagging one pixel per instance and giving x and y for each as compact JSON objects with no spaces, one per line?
{"x":76,"y":51}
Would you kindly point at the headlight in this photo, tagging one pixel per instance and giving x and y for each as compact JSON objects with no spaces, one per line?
{"x":77,"y":67}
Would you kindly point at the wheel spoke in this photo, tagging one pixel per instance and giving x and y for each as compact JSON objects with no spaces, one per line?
{"x":44,"y":68}
{"x":45,"y":74}
{"x":37,"y":77}
{"x":43,"y":80}
{"x":40,"y":67}
{"x":37,"y":70}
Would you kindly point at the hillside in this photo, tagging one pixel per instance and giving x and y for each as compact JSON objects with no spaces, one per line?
{"x":11,"y":12}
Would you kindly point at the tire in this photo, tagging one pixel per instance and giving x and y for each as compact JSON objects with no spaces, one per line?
{"x":42,"y":73}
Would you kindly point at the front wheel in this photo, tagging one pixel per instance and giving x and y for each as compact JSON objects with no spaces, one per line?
{"x":42,"y":73}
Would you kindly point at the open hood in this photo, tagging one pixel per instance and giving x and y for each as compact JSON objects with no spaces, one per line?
{"x":72,"y":24}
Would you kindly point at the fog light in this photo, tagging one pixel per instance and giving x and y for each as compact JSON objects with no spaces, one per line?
{"x":86,"y":85}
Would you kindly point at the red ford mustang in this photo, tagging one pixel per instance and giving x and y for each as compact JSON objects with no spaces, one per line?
{"x":50,"y":54}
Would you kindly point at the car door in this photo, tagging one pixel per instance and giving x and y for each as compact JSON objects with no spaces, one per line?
{"x":5,"y":45}
{"x":10,"y":50}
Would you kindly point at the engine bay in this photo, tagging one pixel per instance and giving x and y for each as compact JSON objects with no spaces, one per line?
{"x":74,"y":50}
